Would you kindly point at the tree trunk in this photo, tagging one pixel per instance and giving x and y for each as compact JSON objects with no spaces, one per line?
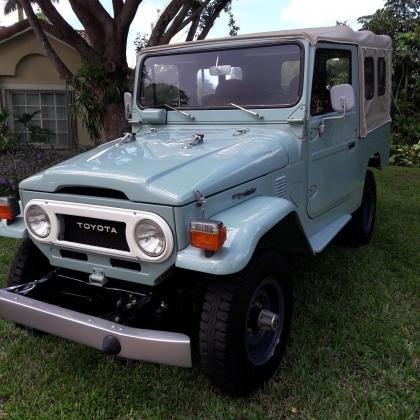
{"x":114,"y":122}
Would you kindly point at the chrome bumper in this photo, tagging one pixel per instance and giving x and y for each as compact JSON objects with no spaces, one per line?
{"x":132,"y":343}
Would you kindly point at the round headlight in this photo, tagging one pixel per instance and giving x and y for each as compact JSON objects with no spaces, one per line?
{"x":150,"y":238}
{"x":38,"y":221}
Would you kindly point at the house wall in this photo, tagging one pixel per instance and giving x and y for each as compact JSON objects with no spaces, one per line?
{"x":24,"y":66}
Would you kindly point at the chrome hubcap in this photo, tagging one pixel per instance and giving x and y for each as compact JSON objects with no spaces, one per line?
{"x":268,"y":320}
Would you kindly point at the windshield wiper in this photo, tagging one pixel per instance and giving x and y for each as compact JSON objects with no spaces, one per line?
{"x":185,"y":114}
{"x":248,"y":111}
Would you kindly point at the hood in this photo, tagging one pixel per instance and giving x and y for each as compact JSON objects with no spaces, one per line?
{"x":159,"y":167}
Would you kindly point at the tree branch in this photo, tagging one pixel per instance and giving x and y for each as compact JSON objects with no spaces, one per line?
{"x":61,"y":29}
{"x":96,"y":9}
{"x":94,"y":30}
{"x":209,"y":24}
{"x":186,"y":22}
{"x":193,"y":29}
{"x":117,"y":5}
{"x":126,"y":16}
{"x":179,"y":18}
{"x":59,"y":65}
{"x":164,"y":20}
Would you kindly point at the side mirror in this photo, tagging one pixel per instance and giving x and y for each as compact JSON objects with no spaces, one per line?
{"x":128,"y":105}
{"x":342,"y":98}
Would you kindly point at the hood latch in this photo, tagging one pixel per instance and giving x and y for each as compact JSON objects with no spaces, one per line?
{"x":196,"y":140}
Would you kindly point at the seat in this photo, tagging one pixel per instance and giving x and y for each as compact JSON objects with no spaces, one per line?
{"x":227,"y":91}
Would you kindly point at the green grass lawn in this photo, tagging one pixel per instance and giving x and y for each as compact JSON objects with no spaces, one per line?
{"x":353,"y":350}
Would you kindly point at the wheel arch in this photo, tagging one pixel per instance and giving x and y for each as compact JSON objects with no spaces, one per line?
{"x":286,"y":235}
{"x":252,"y":224}
{"x":376,"y":161}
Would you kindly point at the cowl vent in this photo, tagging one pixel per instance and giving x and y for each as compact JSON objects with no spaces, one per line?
{"x":280,"y":187}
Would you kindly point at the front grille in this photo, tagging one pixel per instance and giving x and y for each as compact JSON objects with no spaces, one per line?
{"x":95,"y":232}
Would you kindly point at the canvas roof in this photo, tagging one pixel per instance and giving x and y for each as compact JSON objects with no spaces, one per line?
{"x":339,"y":33}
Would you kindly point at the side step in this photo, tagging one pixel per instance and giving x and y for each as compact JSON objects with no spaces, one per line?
{"x":321,"y":239}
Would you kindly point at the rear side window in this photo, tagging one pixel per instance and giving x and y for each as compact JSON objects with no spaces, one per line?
{"x":369,"y":78}
{"x":381,"y":76}
{"x":332,"y":67}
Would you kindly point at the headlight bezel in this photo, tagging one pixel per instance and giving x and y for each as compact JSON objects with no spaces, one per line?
{"x":158,"y":228}
{"x":42,"y":213}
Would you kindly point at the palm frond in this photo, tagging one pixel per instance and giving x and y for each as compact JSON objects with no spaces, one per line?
{"x":11,"y":6}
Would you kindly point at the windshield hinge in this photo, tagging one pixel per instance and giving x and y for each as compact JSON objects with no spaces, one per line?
{"x":128,"y":137}
{"x":201,"y":201}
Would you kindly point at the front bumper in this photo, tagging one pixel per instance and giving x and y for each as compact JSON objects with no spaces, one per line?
{"x":133,"y":343}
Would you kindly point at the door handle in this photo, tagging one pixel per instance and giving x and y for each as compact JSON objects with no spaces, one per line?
{"x":351,"y":145}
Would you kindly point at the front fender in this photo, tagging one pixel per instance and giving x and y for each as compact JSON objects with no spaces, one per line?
{"x":16,"y":229}
{"x":246,"y":223}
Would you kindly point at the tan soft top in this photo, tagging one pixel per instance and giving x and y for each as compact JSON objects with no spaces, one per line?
{"x":334,"y":34}
{"x":342,"y":34}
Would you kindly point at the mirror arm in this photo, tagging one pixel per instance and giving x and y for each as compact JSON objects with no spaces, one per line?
{"x":128,"y":105}
{"x":321,"y":127}
{"x":128,"y":113}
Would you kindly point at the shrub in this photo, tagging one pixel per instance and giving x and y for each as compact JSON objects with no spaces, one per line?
{"x":18,"y":164}
{"x":405,"y":155}
{"x":7,"y":138}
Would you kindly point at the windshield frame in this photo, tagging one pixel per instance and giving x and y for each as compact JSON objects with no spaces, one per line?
{"x":139,"y":84}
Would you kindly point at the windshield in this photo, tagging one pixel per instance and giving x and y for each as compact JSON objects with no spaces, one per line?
{"x":263,"y":76}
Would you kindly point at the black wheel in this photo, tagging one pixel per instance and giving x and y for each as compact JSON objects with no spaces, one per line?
{"x":245,"y":322}
{"x":359,"y":230}
{"x":28,"y":264}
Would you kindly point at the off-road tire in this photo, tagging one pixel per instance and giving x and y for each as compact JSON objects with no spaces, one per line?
{"x":359,"y":230}
{"x":224,"y":354}
{"x":28,"y":264}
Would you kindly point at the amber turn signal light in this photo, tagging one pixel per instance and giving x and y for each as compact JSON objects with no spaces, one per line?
{"x":9,"y":208}
{"x":207,"y":234}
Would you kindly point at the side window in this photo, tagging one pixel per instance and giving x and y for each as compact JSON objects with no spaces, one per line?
{"x":369,"y":78}
{"x":332,"y":67}
{"x":381,"y":76}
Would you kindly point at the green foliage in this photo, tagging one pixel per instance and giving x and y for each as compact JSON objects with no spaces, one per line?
{"x":11,"y":6}
{"x":141,"y":41}
{"x":7,"y":138}
{"x":401,"y":21}
{"x":95,"y":88}
{"x":405,"y":154}
{"x":232,"y":25}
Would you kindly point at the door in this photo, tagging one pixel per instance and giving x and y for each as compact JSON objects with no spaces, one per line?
{"x":332,"y":162}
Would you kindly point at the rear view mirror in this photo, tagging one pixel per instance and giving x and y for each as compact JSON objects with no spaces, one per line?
{"x":224,"y":70}
{"x":128,"y":105}
{"x":342,"y":98}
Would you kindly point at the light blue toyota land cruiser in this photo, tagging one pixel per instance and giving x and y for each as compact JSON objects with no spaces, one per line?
{"x":175,"y":236}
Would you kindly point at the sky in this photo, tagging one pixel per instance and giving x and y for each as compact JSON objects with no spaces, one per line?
{"x":251,"y":16}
